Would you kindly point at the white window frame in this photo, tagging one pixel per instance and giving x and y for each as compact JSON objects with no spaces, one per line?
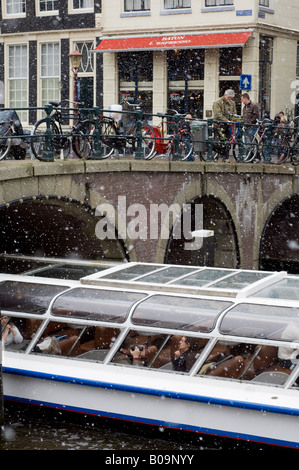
{"x":73,"y":10}
{"x":134,"y":3}
{"x":6,"y":14}
{"x":48,"y":76}
{"x":174,"y":4}
{"x":39,"y":12}
{"x":20,"y":74}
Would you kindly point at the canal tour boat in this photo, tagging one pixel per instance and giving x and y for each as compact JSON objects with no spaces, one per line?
{"x":205,"y":350}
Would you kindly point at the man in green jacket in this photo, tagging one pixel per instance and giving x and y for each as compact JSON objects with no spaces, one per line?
{"x":224,"y":109}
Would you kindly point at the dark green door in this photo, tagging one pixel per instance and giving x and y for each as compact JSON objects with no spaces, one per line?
{"x":86,"y":92}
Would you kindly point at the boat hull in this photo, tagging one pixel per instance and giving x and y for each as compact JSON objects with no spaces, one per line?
{"x":156,"y":406}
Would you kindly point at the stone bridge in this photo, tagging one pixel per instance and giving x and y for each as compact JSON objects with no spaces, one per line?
{"x":64,"y":208}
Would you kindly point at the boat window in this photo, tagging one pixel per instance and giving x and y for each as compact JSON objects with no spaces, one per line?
{"x":190,"y":314}
{"x":27,"y":297}
{"x":262,"y":321}
{"x":159,"y":351}
{"x":18,"y":332}
{"x":203,"y":277}
{"x":131,"y":272}
{"x":286,"y":289}
{"x":96,"y":304}
{"x":85,"y":342}
{"x":263,"y":364}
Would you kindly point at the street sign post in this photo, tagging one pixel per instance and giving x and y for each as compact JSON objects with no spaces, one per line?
{"x":245,"y":82}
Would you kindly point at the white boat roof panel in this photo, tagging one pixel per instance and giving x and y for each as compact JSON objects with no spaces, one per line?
{"x":96,"y":304}
{"x":28,"y":297}
{"x":190,"y":314}
{"x":274,"y":322}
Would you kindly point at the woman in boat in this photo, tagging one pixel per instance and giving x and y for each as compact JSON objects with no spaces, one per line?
{"x":10,"y":333}
{"x":186,"y":354}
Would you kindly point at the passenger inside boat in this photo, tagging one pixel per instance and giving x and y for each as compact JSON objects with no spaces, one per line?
{"x":9,"y":332}
{"x":246,"y":361}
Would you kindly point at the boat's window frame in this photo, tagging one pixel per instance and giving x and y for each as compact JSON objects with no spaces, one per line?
{"x":260,"y":304}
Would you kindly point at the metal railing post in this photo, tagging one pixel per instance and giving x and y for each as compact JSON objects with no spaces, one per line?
{"x":96,"y":153}
{"x":269,"y":128}
{"x":48,"y":154}
{"x":176,"y":152}
{"x":139,"y":151}
{"x":210,"y":140}
{"x":240,"y":142}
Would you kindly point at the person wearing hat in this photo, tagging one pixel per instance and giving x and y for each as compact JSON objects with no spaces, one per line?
{"x":224,"y":109}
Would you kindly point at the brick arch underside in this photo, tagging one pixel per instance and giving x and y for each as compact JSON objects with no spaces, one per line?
{"x":54,"y":227}
{"x":279,"y":248}
{"x":223,"y":251}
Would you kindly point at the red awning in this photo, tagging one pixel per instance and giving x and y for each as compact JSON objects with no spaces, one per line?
{"x":183,"y":41}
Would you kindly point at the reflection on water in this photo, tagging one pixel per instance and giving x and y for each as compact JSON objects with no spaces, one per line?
{"x":24,"y":432}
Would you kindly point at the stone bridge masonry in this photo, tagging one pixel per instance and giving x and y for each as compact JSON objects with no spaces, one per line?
{"x":49,"y":209}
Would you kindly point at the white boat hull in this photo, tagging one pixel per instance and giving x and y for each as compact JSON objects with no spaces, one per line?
{"x":158,"y":401}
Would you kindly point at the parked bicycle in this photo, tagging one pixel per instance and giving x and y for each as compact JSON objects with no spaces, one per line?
{"x":292,"y":135}
{"x":79,"y":138}
{"x":225,"y":142}
{"x":13,"y":140}
{"x":166,"y":143}
{"x":274,"y":148}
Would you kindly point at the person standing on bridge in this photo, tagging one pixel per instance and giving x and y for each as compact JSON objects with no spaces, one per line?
{"x":224,"y":110}
{"x":250,"y":117}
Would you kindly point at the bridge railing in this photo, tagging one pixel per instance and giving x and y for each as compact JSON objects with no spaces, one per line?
{"x":98,"y":133}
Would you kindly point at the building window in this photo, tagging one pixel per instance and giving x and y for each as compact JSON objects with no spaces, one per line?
{"x":218,"y":3}
{"x":15,"y":6}
{"x":87,"y":60}
{"x":48,"y":5}
{"x":82,"y":4}
{"x":169,"y":4}
{"x":17,"y":79}
{"x":264,"y":3}
{"x":137,"y":5}
{"x":50,"y":90}
{"x":265,"y":72}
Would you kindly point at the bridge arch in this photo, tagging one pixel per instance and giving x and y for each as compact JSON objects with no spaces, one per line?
{"x":279,"y":247}
{"x":221,"y":251}
{"x":55,"y":226}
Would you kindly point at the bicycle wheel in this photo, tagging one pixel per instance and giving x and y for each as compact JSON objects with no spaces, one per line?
{"x":38,"y":139}
{"x":82,"y":140}
{"x":280,"y":151}
{"x":108,"y":138}
{"x":5,"y":144}
{"x":186,"y":151}
{"x":148,"y":142}
{"x":294,"y":151}
{"x":250,"y":153}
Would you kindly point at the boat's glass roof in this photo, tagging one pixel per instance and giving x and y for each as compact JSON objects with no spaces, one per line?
{"x":96,"y":304}
{"x":262,"y":321}
{"x":191,"y":314}
{"x":152,"y":275}
{"x":287,"y":288}
{"x":27,"y":297}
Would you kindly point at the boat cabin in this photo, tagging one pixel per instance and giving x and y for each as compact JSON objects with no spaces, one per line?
{"x":201,"y":322}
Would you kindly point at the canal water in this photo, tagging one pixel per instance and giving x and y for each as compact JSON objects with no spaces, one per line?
{"x":23,"y":431}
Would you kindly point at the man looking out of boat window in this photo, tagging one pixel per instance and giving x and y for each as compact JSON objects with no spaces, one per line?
{"x":186,"y":354}
{"x":133,"y":354}
{"x":10,"y":333}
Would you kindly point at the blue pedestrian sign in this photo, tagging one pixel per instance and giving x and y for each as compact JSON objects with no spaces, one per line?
{"x":245,"y":82}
